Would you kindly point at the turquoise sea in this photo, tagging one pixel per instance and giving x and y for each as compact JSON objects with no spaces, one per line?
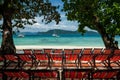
{"x":87,"y":40}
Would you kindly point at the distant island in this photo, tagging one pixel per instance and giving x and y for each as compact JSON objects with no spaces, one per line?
{"x":60,"y":32}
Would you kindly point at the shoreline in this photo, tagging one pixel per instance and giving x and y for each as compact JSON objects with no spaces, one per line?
{"x":54,"y":47}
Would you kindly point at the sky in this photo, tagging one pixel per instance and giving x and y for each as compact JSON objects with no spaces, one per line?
{"x":42,"y":27}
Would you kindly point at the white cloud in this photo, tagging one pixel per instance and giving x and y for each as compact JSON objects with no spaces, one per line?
{"x":40,"y":26}
{"x":88,"y":29}
{"x":36,"y":24}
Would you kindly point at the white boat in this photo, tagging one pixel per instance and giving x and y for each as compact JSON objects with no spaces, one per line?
{"x":55,"y":35}
{"x":20,"y":35}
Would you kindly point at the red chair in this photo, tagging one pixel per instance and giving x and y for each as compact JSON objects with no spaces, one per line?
{"x":70,"y":74}
{"x":11,"y":57}
{"x":16,"y":75}
{"x":115,"y":59}
{"x":117,"y":51}
{"x":86,"y":58}
{"x":56,"y":60}
{"x":42,"y":60}
{"x":77,"y":51}
{"x":104,"y":74}
{"x":48,"y":51}
{"x":100,"y":58}
{"x":71,"y":60}
{"x":111,"y":74}
{"x":11,"y":61}
{"x":57,"y":51}
{"x":68,"y":51}
{"x":37,"y":51}
{"x":26,"y":60}
{"x":67,"y":74}
{"x":46,"y":74}
{"x":97,"y":51}
{"x":107,"y":51}
{"x":99,"y":75}
{"x":38,"y":74}
{"x":75,"y":74}
{"x":87,"y":51}
{"x":27,"y":51}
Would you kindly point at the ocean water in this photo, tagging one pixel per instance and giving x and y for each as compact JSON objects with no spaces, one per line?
{"x":87,"y":40}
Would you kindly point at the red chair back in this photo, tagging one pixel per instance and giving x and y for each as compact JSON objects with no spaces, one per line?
{"x":37,"y":51}
{"x":106,"y":51}
{"x":97,"y":51}
{"x":48,"y":51}
{"x":41,"y":56}
{"x":105,"y":74}
{"x":71,"y":57}
{"x":27,"y":51}
{"x":67,"y":51}
{"x":18,"y":74}
{"x":25,"y":57}
{"x":75,"y":74}
{"x":87,"y":51}
{"x":46,"y":74}
{"x":11,"y":57}
{"x":57,"y":51}
{"x":117,"y":51}
{"x":56,"y":57}
{"x":77,"y":51}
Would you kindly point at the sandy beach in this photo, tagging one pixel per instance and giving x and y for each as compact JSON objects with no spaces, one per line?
{"x":54,"y":47}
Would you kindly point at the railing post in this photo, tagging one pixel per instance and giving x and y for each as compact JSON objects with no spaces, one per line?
{"x":60,"y":74}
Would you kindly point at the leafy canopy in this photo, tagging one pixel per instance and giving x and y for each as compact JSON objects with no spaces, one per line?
{"x":24,"y":11}
{"x":85,"y":12}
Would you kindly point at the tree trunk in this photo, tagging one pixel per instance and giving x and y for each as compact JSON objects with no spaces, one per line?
{"x":109,"y":40}
{"x":7,"y":46}
{"x":106,"y":41}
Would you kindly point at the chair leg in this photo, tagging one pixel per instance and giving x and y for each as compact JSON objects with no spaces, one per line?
{"x":79,"y":64}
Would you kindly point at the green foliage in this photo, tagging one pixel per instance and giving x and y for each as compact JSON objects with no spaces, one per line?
{"x":87,"y":12}
{"x":24,"y":11}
